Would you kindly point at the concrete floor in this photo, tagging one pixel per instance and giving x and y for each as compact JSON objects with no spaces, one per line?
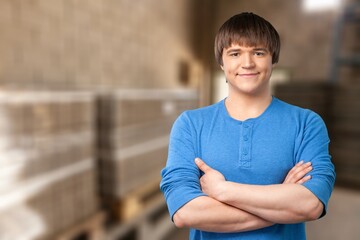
{"x":341,"y":222}
{"x":179,"y":234}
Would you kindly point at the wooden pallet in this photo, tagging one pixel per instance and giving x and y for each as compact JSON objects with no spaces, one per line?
{"x":152,"y":222}
{"x":90,"y":229}
{"x":137,"y":201}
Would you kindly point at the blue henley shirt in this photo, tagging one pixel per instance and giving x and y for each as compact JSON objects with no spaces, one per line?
{"x":257,"y":151}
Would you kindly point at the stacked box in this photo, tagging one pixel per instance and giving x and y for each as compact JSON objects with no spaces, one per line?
{"x":46,"y":163}
{"x":345,"y":134}
{"x":134,"y":127}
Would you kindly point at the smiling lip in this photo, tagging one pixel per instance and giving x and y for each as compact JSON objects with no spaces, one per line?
{"x":247,"y":74}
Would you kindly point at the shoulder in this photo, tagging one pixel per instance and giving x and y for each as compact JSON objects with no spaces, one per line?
{"x":200,"y":114}
{"x":192,"y":121}
{"x":300,"y":113}
{"x":302,"y":118}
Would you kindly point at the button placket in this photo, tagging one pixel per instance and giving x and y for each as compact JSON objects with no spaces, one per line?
{"x":245,"y":157}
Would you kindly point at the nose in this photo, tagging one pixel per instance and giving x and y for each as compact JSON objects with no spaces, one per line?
{"x":247,"y":61}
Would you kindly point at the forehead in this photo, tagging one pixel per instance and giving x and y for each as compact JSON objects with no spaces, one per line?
{"x":246,"y":47}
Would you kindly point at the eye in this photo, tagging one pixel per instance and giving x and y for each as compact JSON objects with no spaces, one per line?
{"x":259,"y":53}
{"x":234,"y":54}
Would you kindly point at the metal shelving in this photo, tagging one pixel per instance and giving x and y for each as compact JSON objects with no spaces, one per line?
{"x":350,"y":16}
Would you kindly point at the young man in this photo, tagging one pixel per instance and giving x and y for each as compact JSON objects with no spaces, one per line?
{"x":249,"y":166}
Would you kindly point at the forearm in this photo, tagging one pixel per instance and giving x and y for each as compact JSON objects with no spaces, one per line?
{"x":280,"y":203}
{"x":207,"y":214}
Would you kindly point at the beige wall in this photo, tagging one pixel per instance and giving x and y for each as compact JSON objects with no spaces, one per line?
{"x":87,"y":44}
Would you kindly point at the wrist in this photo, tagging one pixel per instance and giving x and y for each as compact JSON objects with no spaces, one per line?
{"x":222,"y":191}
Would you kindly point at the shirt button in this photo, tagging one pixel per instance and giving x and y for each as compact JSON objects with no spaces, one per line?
{"x":246,"y":138}
{"x":245,"y":152}
{"x":246,"y":126}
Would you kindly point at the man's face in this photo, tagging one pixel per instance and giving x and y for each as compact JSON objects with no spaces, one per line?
{"x":247,"y":69}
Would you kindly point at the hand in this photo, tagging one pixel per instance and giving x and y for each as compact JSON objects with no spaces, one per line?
{"x":298,"y":172}
{"x":212,"y":180}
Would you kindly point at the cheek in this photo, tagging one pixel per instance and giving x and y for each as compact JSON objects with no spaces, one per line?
{"x":229,"y":68}
{"x":229,"y":72}
{"x":267,"y":69}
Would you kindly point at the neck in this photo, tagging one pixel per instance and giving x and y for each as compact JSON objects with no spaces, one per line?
{"x":245,"y":107}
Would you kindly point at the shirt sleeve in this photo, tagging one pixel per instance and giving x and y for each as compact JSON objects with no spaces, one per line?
{"x":180,"y":178}
{"x":314,"y":147}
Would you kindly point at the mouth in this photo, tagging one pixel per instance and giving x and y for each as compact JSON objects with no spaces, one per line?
{"x":247,"y":75}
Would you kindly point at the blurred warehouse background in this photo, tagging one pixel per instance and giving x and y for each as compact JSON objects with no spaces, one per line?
{"x":89,"y":90}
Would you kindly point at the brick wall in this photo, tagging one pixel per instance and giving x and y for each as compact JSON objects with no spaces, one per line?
{"x":77,"y":44}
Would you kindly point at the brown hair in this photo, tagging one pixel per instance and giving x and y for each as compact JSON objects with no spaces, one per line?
{"x":247,"y":29}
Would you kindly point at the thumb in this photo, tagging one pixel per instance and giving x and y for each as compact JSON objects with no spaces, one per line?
{"x":202,"y":165}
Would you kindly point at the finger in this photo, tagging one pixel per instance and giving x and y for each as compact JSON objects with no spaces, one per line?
{"x":300,"y":163}
{"x":202,"y":165}
{"x":304,"y":179}
{"x":295,"y":168}
{"x":294,"y":177}
{"x":304,"y":168}
{"x":298,"y":172}
{"x":301,"y":174}
{"x":300,"y":168}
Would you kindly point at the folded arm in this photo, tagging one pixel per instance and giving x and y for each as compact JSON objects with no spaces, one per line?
{"x":279,"y":203}
{"x":209,"y":214}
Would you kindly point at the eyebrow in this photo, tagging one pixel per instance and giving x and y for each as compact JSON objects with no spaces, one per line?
{"x":261,"y":49}
{"x":239,"y":49}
